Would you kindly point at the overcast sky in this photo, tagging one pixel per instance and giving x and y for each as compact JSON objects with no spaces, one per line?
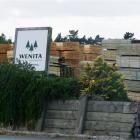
{"x":109,"y":18}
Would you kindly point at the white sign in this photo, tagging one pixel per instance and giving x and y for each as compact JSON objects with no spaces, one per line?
{"x":32,"y":45}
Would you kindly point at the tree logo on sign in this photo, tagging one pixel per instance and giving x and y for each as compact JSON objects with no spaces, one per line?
{"x":31,"y":46}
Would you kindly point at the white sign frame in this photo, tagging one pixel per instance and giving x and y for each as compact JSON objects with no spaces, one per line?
{"x":48,"y":43}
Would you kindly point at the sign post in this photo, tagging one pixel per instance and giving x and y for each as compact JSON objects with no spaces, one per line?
{"x":32,"y":45}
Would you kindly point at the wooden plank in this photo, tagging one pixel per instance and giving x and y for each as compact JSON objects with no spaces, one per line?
{"x":108,"y":126}
{"x":54,"y":70}
{"x":108,"y":117}
{"x":129,"y":61}
{"x":110,"y":46}
{"x":115,"y":107}
{"x":54,"y":59}
{"x":60,"y":123}
{"x":134,"y":96}
{"x":135,"y":62}
{"x":65,"y":46}
{"x":126,"y":73}
{"x":109,"y":54}
{"x":90,"y":57}
{"x":116,"y":41}
{"x":71,"y":54}
{"x":95,"y":49}
{"x":129,"y":49}
{"x":72,"y":63}
{"x":68,"y":105}
{"x":133,"y":85}
{"x":55,"y":114}
{"x":138,"y":75}
{"x":130,"y":74}
{"x":125,"y":49}
{"x":124,"y":61}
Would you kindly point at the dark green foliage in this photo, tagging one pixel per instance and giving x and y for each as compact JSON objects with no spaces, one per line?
{"x":128,"y":35}
{"x":83,"y":40}
{"x":3,"y":39}
{"x":23,"y":91}
{"x":90,"y":40}
{"x":103,"y":80}
{"x":73,"y":37}
{"x":35,"y":45}
{"x":31,"y":48}
{"x":28,"y":44}
{"x":98,"y":39}
{"x":58,"y":38}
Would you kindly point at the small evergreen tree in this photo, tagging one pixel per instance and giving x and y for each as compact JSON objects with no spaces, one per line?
{"x":3,"y":39}
{"x":28,"y":44}
{"x":90,"y":41}
{"x":58,"y":38}
{"x":128,"y":35}
{"x":31,"y":47}
{"x":35,"y":45}
{"x":73,"y":37}
{"x":83,"y":40}
{"x":98,"y":39}
{"x":103,"y":80}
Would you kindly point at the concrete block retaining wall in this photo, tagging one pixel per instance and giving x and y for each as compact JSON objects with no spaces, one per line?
{"x":61,"y":117}
{"x":86,"y":116}
{"x":110,"y":118}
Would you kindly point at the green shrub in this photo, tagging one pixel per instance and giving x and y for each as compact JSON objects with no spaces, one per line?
{"x":101,"y":79}
{"x":22,"y":93}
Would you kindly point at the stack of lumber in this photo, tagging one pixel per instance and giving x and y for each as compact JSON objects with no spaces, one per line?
{"x":127,"y":56}
{"x":76,"y":55}
{"x":53,"y":66}
{"x":128,"y":60}
{"x":10,"y":54}
{"x":110,"y":48}
{"x":90,"y":52}
{"x":65,"y":46}
{"x":70,"y":51}
{"x":4,"y":48}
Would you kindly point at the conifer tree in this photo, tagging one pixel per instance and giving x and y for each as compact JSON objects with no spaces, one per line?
{"x":35,"y":45}
{"x":58,"y":38}
{"x":28,"y":44}
{"x":3,"y":39}
{"x":101,"y":79}
{"x":128,"y":35}
{"x":31,"y":47}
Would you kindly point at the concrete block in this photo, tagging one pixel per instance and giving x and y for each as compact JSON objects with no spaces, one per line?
{"x":110,"y":117}
{"x":108,"y":126}
{"x":58,"y":114}
{"x":68,"y":105}
{"x":60,"y":123}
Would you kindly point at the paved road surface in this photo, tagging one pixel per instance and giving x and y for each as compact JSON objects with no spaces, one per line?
{"x":27,"y":138}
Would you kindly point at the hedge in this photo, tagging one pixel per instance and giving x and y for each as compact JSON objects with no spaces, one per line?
{"x":22,"y":93}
